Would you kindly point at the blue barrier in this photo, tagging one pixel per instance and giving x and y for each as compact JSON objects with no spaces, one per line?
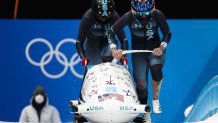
{"x":206,"y":104}
{"x":191,"y":62}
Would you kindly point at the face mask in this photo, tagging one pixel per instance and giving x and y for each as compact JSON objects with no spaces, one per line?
{"x":39,"y":98}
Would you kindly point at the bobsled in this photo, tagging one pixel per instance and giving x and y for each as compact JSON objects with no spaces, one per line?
{"x":108,"y":95}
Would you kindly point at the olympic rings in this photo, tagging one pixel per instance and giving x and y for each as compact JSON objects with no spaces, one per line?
{"x":48,"y":56}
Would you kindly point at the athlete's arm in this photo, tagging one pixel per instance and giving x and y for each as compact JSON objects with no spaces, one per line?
{"x":83,"y":29}
{"x":117,"y":29}
{"x":121,"y":34}
{"x":164,"y":27}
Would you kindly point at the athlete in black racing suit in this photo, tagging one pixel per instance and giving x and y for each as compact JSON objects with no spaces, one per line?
{"x":93,"y":33}
{"x":143,"y":21}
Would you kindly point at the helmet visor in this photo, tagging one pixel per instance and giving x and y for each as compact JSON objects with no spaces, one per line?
{"x":141,"y":14}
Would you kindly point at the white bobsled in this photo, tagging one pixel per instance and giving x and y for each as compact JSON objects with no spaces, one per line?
{"x":108,"y":96}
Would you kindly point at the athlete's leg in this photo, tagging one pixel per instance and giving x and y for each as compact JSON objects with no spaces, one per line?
{"x":156,"y":82}
{"x":140,"y":72}
{"x":156,"y":64}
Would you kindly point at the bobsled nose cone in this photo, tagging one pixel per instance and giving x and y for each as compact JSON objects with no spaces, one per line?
{"x":147,"y":108}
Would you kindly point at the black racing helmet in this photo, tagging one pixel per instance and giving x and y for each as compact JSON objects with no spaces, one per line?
{"x":142,"y":7}
{"x":103,"y":9}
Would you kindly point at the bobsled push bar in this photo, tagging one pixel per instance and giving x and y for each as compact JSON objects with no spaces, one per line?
{"x":132,"y":51}
{"x":136,"y":51}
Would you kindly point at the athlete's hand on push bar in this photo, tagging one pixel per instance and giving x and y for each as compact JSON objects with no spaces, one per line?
{"x":158,"y":51}
{"x":117,"y":53}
